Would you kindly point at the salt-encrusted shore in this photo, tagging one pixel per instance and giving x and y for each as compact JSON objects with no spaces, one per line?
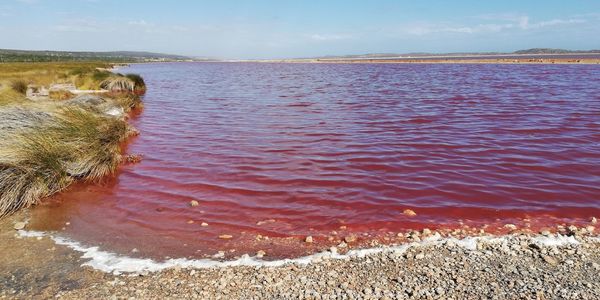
{"x":541,"y":266}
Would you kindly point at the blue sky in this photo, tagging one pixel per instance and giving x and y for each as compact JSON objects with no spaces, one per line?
{"x":286,"y":28}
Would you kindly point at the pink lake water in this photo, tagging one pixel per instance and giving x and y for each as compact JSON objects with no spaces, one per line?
{"x":289,"y":150}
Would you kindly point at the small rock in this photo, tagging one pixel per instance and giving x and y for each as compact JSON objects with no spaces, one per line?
{"x":550,"y":260}
{"x":420,"y":256}
{"x":594,"y":220}
{"x":260,"y":253}
{"x":260,"y":223}
{"x":225,"y":236}
{"x":426,"y":231}
{"x":190,"y":222}
{"x":194,"y":203}
{"x":510,"y":226}
{"x":20,"y":225}
{"x":308,"y":239}
{"x":409,"y":212}
{"x":204,"y":224}
{"x":350,"y":239}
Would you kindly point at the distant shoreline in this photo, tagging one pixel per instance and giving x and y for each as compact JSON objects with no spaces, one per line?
{"x":579,"y":58}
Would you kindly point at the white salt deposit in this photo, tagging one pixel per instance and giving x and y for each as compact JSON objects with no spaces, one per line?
{"x":109,"y":262}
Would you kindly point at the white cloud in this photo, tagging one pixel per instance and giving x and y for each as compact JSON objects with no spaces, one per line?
{"x":509,"y":22}
{"x":329,"y":37}
{"x":81,"y":25}
{"x":556,"y":22}
{"x":138,"y":23}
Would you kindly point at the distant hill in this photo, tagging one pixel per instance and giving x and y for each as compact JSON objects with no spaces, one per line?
{"x":553,"y":51}
{"x":7,"y":55}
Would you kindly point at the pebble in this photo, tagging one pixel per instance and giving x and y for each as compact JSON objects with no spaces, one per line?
{"x":204,"y":224}
{"x":20,"y":225}
{"x":510,"y":226}
{"x":550,"y":260}
{"x":350,"y":239}
{"x":194,"y":203}
{"x":225,"y":236}
{"x":308,"y":239}
{"x":594,"y":220}
{"x":409,"y":212}
{"x":260,"y":253}
{"x":260,"y":223}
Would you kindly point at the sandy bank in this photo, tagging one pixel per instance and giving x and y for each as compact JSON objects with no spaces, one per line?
{"x":508,"y":267}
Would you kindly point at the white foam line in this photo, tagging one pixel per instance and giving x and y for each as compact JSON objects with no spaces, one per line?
{"x":559,"y":240}
{"x":113,"y":263}
{"x":25,"y":233}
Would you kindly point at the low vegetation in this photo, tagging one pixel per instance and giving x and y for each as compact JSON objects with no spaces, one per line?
{"x":46,"y":145}
{"x":19,"y":86}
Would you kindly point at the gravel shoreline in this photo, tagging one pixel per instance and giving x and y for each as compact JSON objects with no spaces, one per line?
{"x":524,"y":266}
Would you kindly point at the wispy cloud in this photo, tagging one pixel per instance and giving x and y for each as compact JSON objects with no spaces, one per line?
{"x":330,"y":37}
{"x":81,"y":25}
{"x":497,"y":23}
{"x":138,"y":23}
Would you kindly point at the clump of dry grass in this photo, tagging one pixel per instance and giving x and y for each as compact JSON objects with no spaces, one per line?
{"x":118,"y":84}
{"x":139,"y":83}
{"x":43,"y":153}
{"x":19,"y":86}
{"x":47,"y":145}
{"x":128,"y":101}
{"x":124,"y":83}
{"x":10,"y":96}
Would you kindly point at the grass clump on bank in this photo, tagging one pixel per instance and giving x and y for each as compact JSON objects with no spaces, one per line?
{"x":19,"y":86}
{"x":47,"y":145}
{"x":130,"y":83}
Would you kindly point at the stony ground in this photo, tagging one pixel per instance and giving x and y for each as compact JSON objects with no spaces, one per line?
{"x":518,"y":267}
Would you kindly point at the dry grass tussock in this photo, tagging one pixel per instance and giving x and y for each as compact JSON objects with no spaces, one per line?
{"x":120,"y":83}
{"x":43,"y":152}
{"x":47,"y":145}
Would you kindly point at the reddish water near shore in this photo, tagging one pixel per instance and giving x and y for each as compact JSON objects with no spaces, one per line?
{"x":289,"y":150}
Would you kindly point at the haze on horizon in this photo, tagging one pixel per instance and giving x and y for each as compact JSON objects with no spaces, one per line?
{"x":287,"y":29}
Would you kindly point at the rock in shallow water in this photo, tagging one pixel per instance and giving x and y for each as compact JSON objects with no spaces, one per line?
{"x":20,"y":225}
